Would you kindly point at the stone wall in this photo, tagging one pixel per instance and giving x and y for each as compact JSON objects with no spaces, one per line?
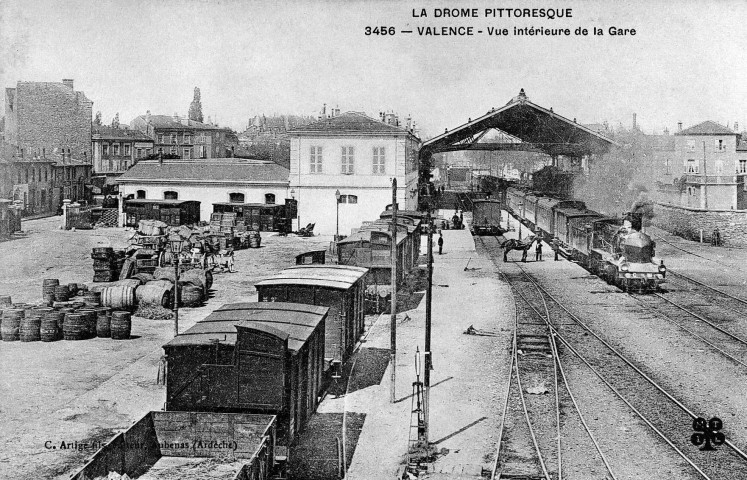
{"x":688,"y":222}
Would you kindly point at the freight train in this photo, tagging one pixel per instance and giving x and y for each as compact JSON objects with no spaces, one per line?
{"x":613,"y":248}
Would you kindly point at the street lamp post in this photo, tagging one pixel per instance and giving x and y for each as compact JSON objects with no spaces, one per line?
{"x":337,"y":228}
{"x":176,"y":247}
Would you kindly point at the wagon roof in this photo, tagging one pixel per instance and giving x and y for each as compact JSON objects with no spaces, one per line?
{"x":364,"y":234}
{"x":575,"y":212}
{"x":486,"y":200}
{"x":135,"y":201}
{"x":404,"y":213}
{"x":293,"y":321}
{"x":333,"y":276}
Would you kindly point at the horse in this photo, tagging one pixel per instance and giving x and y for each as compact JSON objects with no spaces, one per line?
{"x":513,"y":244}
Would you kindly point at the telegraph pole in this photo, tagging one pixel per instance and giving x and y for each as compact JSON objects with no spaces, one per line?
{"x":393,"y":321}
{"x":428,"y":303}
{"x":705,"y":178}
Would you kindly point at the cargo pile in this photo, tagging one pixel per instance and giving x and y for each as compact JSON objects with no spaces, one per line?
{"x":230,"y":232}
{"x":80,"y":319}
{"x":107,"y":264}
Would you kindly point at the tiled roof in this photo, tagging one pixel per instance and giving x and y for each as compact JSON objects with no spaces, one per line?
{"x":707,"y":128}
{"x":110,"y":133}
{"x":349,"y":122}
{"x":229,"y":170}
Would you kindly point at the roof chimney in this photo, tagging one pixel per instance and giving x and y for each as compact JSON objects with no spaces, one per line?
{"x":68,"y":82}
{"x":679,"y":126}
{"x":736,"y":127}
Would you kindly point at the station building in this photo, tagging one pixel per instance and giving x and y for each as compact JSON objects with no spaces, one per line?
{"x":357,"y":156}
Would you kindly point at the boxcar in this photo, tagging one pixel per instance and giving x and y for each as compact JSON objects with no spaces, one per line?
{"x":486,"y":217}
{"x":171,"y":212}
{"x":339,"y":287}
{"x":371,"y":248}
{"x":515,"y":200}
{"x":154,"y":444}
{"x":259,"y":216}
{"x":530,"y":209}
{"x":545,"y":212}
{"x":567,"y":218}
{"x":251,"y":357}
{"x":411,"y":228}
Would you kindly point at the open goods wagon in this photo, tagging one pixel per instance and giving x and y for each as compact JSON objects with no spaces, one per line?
{"x":253,"y":358}
{"x":189,"y":445}
{"x":339,"y":287}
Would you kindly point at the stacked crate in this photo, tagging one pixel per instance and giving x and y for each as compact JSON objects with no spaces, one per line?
{"x":106,"y":264}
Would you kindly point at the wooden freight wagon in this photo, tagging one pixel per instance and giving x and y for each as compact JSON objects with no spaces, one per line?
{"x":171,"y":444}
{"x":410,"y":230}
{"x":251,"y":357}
{"x":170,"y":212}
{"x":372,"y":249}
{"x":486,"y":217}
{"x":339,"y":287}
{"x":313,"y":257}
{"x":268,"y":218}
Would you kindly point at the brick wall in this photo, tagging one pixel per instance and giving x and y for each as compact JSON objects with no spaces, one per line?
{"x":52,"y":115}
{"x":687,"y":222}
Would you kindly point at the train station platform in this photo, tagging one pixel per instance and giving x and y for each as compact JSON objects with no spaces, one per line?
{"x":468,"y":378}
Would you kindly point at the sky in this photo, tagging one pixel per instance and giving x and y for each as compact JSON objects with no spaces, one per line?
{"x":686,"y":63}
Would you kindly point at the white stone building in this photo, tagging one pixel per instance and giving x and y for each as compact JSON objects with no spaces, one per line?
{"x":357,"y":156}
{"x":216,"y":180}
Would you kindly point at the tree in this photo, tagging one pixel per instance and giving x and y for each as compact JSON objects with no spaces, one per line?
{"x":97,"y":120}
{"x":195,"y":108}
{"x":115,"y":121}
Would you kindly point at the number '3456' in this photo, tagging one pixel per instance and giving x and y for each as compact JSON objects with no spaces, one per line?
{"x":380,"y":31}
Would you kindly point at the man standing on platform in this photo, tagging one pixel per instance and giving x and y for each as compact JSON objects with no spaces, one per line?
{"x":556,"y":247}
{"x":440,"y":243}
{"x":538,"y":251}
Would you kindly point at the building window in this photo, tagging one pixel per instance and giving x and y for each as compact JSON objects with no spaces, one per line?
{"x":315,"y":160}
{"x":719,"y":145}
{"x":126,"y":147}
{"x":692,"y":166}
{"x":667,"y":166}
{"x":203,"y":151}
{"x":691,"y":145}
{"x":236,"y":198}
{"x":160,"y":138}
{"x":27,"y":175}
{"x":348,"y":160}
{"x":348,"y":198}
{"x":140,"y":194}
{"x":187,"y":138}
{"x":148,"y":151}
{"x":46,"y":173}
{"x":270,"y":198}
{"x":743,"y":166}
{"x":187,"y":153}
{"x":139,"y":153}
{"x":172,"y":151}
{"x":173,"y":138}
{"x":105,"y":149}
{"x":33,"y":175}
{"x":379,"y":160}
{"x":115,"y":149}
{"x":170,"y":195}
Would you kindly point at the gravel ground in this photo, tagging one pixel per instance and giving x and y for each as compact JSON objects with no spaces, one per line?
{"x":88,"y":390}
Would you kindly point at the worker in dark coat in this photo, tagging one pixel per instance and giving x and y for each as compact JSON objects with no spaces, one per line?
{"x":538,"y":251}
{"x":455,"y":221}
{"x":556,"y":247}
{"x":461,"y":220}
{"x":716,"y":238}
{"x":440,"y":243}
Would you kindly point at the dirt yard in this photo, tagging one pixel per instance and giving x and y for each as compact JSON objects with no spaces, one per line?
{"x":60,"y":400}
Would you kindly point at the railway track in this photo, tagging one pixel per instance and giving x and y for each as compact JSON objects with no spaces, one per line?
{"x":665,"y":415}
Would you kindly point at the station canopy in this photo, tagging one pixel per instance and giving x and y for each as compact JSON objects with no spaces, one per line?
{"x":521,"y":125}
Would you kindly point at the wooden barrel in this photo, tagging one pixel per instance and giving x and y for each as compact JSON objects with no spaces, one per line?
{"x":11,"y":324}
{"x":195,"y":277}
{"x":90,"y":321}
{"x":30,"y":326}
{"x":92,"y":298}
{"x":103,"y":324}
{"x":120,"y":325}
{"x":61,"y":293}
{"x":48,"y":285}
{"x":120,"y":297}
{"x":155,"y":293}
{"x":75,"y":326}
{"x":5,"y":300}
{"x":191,"y":295}
{"x":51,"y":323}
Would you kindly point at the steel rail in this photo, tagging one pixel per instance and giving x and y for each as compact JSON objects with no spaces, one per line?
{"x":697,"y":282}
{"x":659,"y":237}
{"x":702,"y":319}
{"x":736,"y":449}
{"x":556,"y":357}
{"x":556,"y":333}
{"x":699,"y":337}
{"x":505,"y":404}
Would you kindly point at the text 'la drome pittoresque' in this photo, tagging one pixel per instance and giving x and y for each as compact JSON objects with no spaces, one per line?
{"x":549,"y":13}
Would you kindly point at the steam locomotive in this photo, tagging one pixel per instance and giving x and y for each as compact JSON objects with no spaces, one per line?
{"x":613,"y":248}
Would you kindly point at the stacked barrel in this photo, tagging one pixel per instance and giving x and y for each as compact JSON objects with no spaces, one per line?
{"x":106,"y":264}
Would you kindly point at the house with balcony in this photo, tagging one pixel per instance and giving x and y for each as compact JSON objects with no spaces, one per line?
{"x":713,"y":166}
{"x":342,"y":167}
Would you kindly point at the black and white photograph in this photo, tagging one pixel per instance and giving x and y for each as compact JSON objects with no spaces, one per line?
{"x":373,"y":240}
